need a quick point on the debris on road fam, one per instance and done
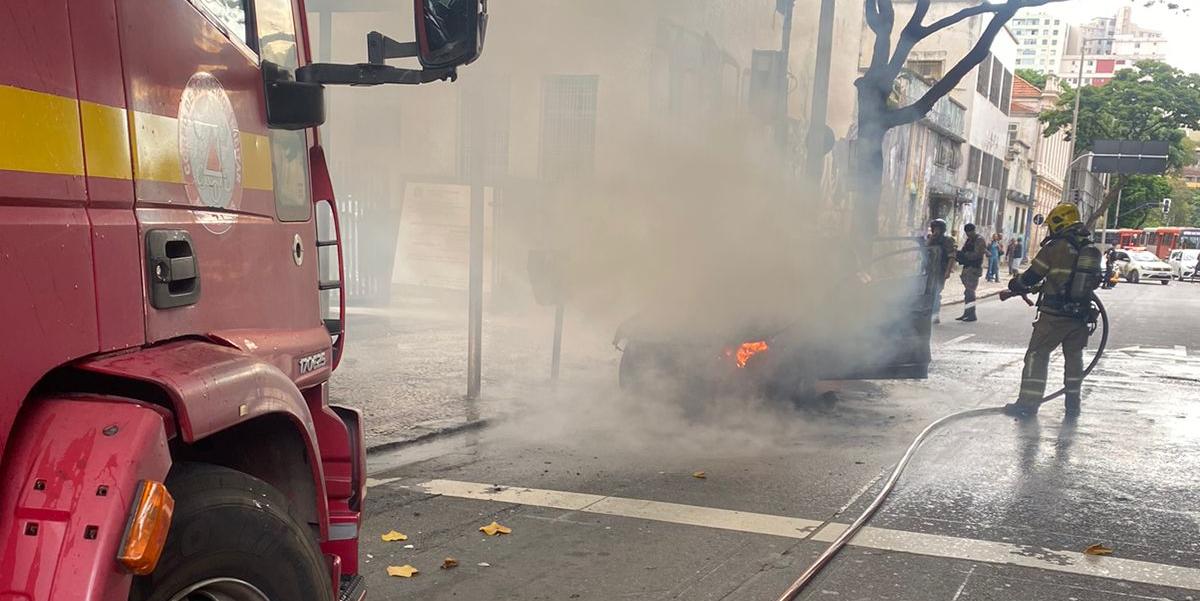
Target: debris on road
(404, 571)
(700, 475)
(410, 546)
(449, 563)
(392, 536)
(484, 564)
(1098, 550)
(495, 528)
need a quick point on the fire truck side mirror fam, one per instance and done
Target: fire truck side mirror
(450, 33)
(292, 104)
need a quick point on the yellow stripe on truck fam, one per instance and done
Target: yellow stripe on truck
(47, 133)
(39, 132)
(155, 147)
(106, 140)
(256, 162)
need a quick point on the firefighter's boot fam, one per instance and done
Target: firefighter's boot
(1074, 406)
(1021, 410)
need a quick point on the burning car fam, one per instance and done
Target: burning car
(873, 324)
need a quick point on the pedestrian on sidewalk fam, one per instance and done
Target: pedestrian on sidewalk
(1016, 254)
(994, 252)
(940, 263)
(971, 258)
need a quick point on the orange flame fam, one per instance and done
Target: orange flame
(748, 350)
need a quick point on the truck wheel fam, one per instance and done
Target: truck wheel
(233, 539)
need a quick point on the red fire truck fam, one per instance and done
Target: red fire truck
(165, 432)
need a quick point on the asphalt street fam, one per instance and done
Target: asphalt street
(606, 500)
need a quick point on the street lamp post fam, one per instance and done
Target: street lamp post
(1075, 118)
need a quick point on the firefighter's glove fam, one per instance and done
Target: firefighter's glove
(1016, 287)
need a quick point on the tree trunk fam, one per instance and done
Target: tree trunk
(867, 164)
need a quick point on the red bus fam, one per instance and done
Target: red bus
(1124, 238)
(1163, 240)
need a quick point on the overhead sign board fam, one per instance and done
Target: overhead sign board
(1127, 157)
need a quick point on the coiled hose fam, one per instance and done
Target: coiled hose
(842, 540)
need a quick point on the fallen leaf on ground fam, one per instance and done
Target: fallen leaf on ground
(449, 563)
(393, 536)
(700, 475)
(404, 571)
(1098, 550)
(494, 528)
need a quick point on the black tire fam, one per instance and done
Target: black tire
(1134, 277)
(231, 525)
(1165, 282)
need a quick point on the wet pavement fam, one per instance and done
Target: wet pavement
(601, 493)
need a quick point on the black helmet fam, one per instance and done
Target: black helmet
(938, 223)
(968, 228)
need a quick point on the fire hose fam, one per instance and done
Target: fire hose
(823, 560)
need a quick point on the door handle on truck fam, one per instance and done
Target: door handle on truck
(173, 271)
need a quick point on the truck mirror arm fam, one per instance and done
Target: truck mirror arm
(367, 74)
(375, 72)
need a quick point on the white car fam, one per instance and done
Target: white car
(1138, 265)
(1183, 263)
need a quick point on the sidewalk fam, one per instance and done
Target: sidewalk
(952, 294)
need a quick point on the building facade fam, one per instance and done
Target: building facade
(1041, 40)
(580, 120)
(1106, 45)
(1051, 155)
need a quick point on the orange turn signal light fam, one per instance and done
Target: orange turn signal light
(146, 530)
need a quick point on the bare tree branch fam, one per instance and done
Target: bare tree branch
(982, 8)
(915, 111)
(909, 36)
(881, 18)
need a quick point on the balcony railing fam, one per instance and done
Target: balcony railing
(947, 115)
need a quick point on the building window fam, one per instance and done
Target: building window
(985, 76)
(974, 160)
(1006, 92)
(928, 69)
(568, 126)
(997, 82)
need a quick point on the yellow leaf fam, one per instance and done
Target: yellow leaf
(449, 563)
(494, 528)
(700, 475)
(392, 536)
(1097, 550)
(404, 571)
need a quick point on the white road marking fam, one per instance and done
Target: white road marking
(962, 338)
(378, 481)
(1071, 562)
(1181, 350)
(932, 545)
(691, 515)
(962, 587)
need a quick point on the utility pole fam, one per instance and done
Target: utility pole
(475, 277)
(817, 127)
(1075, 119)
(788, 7)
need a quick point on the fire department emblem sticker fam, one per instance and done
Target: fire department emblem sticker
(210, 152)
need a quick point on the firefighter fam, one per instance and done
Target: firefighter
(971, 259)
(1068, 267)
(942, 264)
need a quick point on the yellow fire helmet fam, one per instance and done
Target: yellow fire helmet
(1062, 217)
